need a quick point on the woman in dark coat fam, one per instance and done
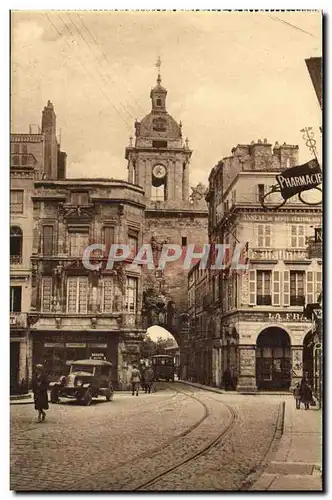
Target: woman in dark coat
(39, 387)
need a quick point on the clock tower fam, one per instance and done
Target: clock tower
(159, 161)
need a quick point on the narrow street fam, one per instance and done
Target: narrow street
(178, 438)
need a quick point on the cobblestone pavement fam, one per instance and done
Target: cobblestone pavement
(181, 438)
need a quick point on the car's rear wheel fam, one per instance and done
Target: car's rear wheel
(87, 398)
(54, 395)
(109, 393)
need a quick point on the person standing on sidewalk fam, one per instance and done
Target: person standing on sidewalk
(135, 380)
(148, 378)
(297, 395)
(40, 395)
(306, 395)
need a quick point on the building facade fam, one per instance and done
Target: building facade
(201, 327)
(259, 334)
(159, 161)
(29, 160)
(78, 313)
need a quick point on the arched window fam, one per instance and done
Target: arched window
(158, 101)
(16, 245)
(158, 193)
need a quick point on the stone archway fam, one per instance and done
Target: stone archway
(273, 359)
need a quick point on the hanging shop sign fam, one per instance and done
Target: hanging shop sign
(98, 355)
(301, 178)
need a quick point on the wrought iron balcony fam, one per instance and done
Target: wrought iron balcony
(22, 160)
(264, 300)
(15, 259)
(276, 254)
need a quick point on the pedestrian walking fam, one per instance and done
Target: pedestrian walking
(297, 395)
(39, 387)
(306, 395)
(148, 376)
(135, 380)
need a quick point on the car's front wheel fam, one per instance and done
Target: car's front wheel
(109, 393)
(87, 398)
(54, 395)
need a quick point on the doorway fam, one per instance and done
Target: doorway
(14, 367)
(273, 359)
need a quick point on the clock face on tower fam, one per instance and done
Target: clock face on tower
(159, 171)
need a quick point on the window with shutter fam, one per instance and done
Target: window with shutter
(260, 192)
(46, 300)
(276, 288)
(263, 290)
(108, 234)
(297, 236)
(286, 288)
(16, 201)
(48, 240)
(318, 284)
(267, 242)
(310, 287)
(252, 287)
(260, 242)
(297, 283)
(264, 236)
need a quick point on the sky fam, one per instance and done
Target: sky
(232, 77)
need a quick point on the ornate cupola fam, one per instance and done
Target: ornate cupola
(158, 97)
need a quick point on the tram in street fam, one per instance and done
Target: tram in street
(163, 367)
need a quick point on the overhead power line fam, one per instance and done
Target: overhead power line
(85, 69)
(99, 63)
(291, 25)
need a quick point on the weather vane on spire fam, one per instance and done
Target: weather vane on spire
(158, 65)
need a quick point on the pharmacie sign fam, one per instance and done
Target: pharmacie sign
(300, 178)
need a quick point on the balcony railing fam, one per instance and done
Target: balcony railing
(16, 259)
(264, 300)
(18, 320)
(275, 254)
(16, 208)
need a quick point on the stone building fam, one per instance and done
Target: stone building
(200, 322)
(29, 160)
(159, 161)
(77, 313)
(260, 335)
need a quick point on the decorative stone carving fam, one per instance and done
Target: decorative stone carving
(78, 212)
(198, 193)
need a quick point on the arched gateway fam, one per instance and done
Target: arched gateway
(273, 359)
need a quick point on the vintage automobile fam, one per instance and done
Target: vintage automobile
(88, 378)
